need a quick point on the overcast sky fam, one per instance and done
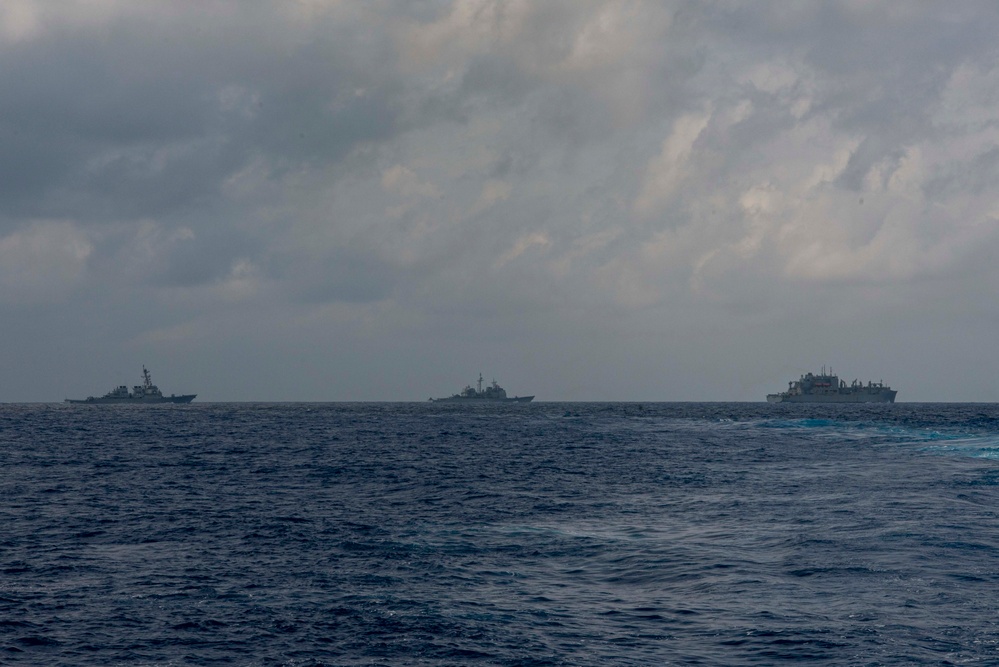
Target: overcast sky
(326, 200)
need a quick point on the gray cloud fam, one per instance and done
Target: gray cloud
(587, 199)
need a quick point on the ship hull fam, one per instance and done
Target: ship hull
(462, 399)
(187, 398)
(858, 397)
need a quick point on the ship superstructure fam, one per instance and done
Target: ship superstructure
(826, 387)
(146, 392)
(493, 392)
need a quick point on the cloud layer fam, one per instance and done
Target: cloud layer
(589, 200)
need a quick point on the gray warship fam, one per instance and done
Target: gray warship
(492, 393)
(143, 393)
(828, 388)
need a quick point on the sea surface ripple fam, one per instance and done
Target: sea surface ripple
(542, 534)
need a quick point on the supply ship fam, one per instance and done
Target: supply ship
(828, 388)
(143, 393)
(492, 393)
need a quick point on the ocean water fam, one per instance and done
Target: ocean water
(541, 534)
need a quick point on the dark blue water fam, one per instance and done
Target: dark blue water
(546, 534)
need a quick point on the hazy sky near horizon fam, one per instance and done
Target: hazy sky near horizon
(585, 200)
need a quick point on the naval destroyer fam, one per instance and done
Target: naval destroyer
(492, 393)
(143, 393)
(828, 388)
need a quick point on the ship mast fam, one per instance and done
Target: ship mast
(480, 382)
(147, 381)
